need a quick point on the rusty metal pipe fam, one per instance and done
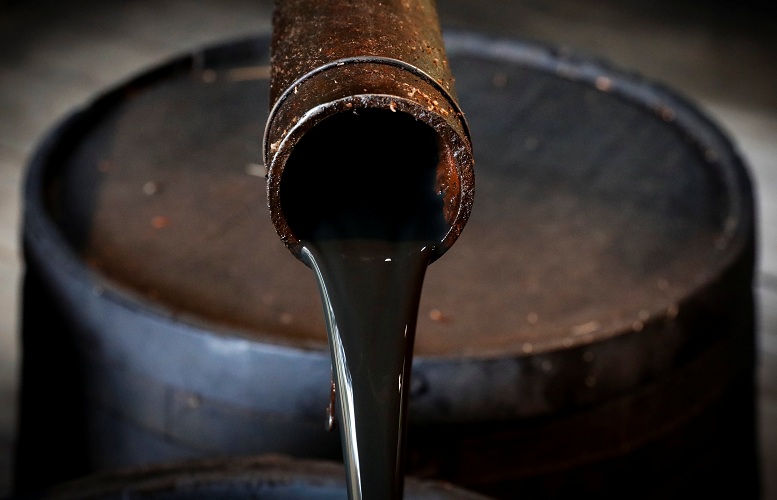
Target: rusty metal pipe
(383, 58)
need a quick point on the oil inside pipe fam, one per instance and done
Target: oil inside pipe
(360, 191)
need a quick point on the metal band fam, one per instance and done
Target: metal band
(365, 60)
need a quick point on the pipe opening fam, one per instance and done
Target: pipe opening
(370, 174)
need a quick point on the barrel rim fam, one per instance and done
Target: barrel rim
(277, 471)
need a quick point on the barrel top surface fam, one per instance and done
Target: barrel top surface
(602, 202)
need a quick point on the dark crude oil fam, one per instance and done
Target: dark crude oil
(360, 192)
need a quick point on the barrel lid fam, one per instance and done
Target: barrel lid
(604, 203)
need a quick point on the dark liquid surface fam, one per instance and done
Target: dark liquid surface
(360, 192)
(371, 292)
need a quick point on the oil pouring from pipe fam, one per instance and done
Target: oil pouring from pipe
(370, 179)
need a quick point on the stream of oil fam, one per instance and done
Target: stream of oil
(369, 220)
(370, 293)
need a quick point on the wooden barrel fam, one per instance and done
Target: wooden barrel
(267, 477)
(591, 332)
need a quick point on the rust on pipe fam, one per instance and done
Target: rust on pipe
(382, 58)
